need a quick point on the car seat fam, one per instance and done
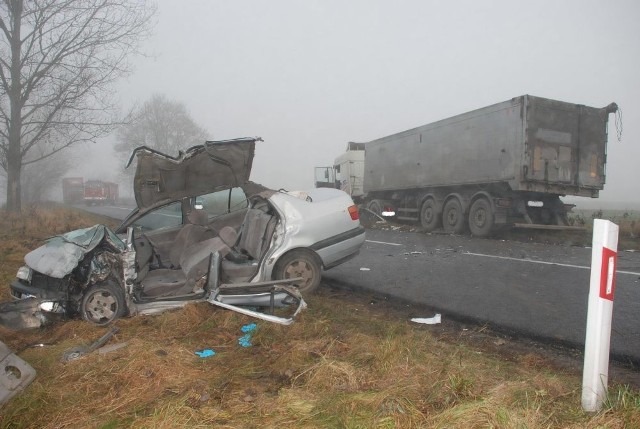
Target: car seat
(193, 232)
(194, 264)
(247, 247)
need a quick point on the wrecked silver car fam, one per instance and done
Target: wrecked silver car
(201, 231)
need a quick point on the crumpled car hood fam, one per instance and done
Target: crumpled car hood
(61, 254)
(202, 169)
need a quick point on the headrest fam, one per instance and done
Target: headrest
(228, 235)
(198, 217)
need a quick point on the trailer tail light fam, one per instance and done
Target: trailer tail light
(503, 202)
(388, 211)
(353, 211)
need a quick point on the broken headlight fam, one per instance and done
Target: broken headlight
(24, 273)
(51, 306)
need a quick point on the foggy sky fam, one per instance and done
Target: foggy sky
(309, 76)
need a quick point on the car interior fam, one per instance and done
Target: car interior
(183, 269)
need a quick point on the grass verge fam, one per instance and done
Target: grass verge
(343, 364)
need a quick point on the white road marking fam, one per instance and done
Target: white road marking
(544, 262)
(383, 242)
(157, 213)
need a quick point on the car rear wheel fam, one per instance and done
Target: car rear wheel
(103, 303)
(300, 263)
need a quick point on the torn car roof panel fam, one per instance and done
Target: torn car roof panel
(202, 169)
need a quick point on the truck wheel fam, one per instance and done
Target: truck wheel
(429, 216)
(481, 218)
(453, 217)
(300, 263)
(103, 303)
(375, 207)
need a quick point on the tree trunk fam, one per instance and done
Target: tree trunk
(14, 201)
(14, 155)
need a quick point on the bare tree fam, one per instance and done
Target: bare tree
(161, 124)
(38, 180)
(58, 59)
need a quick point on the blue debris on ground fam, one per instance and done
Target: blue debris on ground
(245, 340)
(249, 328)
(205, 353)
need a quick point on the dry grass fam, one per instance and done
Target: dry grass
(341, 365)
(628, 222)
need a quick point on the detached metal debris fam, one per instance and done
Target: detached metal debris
(22, 314)
(15, 374)
(79, 351)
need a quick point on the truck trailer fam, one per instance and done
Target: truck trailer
(507, 164)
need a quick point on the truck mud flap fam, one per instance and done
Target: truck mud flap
(15, 374)
(22, 314)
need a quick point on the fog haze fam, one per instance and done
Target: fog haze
(310, 76)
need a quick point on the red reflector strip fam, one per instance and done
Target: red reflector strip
(353, 211)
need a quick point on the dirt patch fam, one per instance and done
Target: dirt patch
(629, 238)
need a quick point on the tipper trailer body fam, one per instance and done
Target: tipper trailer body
(502, 165)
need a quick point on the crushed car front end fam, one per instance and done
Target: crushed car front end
(52, 293)
(58, 273)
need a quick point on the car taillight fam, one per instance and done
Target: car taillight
(353, 211)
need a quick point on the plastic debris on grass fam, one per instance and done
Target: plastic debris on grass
(248, 330)
(428, 320)
(205, 353)
(15, 374)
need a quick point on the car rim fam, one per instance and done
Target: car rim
(300, 269)
(101, 306)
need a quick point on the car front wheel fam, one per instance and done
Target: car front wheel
(300, 263)
(103, 303)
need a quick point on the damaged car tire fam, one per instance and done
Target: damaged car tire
(300, 263)
(103, 303)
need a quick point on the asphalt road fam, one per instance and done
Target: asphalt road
(532, 289)
(119, 212)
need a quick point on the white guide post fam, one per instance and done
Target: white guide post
(600, 309)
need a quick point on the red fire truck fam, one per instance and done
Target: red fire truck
(99, 192)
